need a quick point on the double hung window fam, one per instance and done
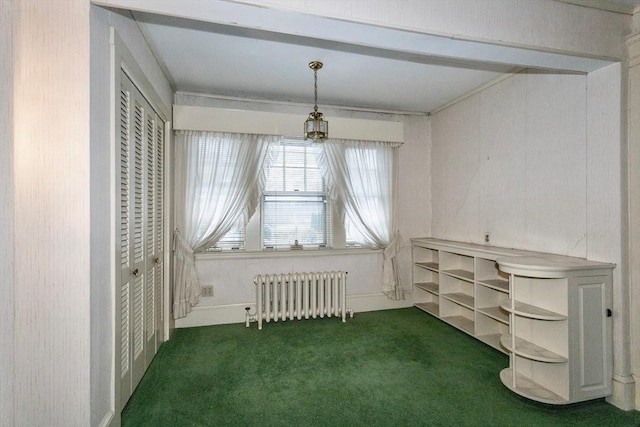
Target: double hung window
(295, 208)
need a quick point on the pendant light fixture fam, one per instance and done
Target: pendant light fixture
(316, 127)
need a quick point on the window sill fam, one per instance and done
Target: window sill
(285, 253)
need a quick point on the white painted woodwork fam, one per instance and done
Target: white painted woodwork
(186, 117)
(460, 284)
(495, 21)
(549, 312)
(140, 224)
(102, 228)
(560, 328)
(632, 152)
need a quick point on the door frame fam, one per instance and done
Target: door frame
(122, 60)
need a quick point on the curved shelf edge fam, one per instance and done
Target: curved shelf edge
(525, 387)
(526, 310)
(531, 351)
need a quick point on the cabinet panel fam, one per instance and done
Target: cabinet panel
(593, 352)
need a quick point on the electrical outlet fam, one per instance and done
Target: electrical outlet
(207, 291)
(487, 237)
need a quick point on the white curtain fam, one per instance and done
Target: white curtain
(218, 183)
(361, 175)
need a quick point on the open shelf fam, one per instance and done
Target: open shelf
(460, 322)
(495, 313)
(460, 298)
(531, 311)
(428, 286)
(530, 350)
(497, 284)
(460, 274)
(428, 265)
(429, 307)
(530, 389)
(491, 339)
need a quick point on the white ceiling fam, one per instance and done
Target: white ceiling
(238, 50)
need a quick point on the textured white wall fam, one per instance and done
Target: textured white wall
(232, 278)
(7, 329)
(511, 160)
(414, 189)
(52, 232)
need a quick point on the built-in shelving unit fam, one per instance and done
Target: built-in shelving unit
(560, 328)
(548, 312)
(460, 283)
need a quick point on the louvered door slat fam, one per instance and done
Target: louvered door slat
(138, 317)
(124, 326)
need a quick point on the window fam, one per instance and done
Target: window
(295, 206)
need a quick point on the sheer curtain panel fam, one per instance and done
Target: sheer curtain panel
(219, 179)
(361, 175)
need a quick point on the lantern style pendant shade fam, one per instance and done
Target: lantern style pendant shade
(316, 127)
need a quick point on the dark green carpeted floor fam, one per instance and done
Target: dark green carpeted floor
(385, 368)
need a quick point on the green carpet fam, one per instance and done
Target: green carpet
(385, 368)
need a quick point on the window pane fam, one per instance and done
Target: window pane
(233, 240)
(294, 168)
(290, 217)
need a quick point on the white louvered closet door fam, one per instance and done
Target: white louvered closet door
(140, 235)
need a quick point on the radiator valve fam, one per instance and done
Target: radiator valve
(249, 317)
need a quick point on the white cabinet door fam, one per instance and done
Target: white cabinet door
(592, 328)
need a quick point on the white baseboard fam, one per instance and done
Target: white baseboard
(107, 419)
(623, 393)
(235, 313)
